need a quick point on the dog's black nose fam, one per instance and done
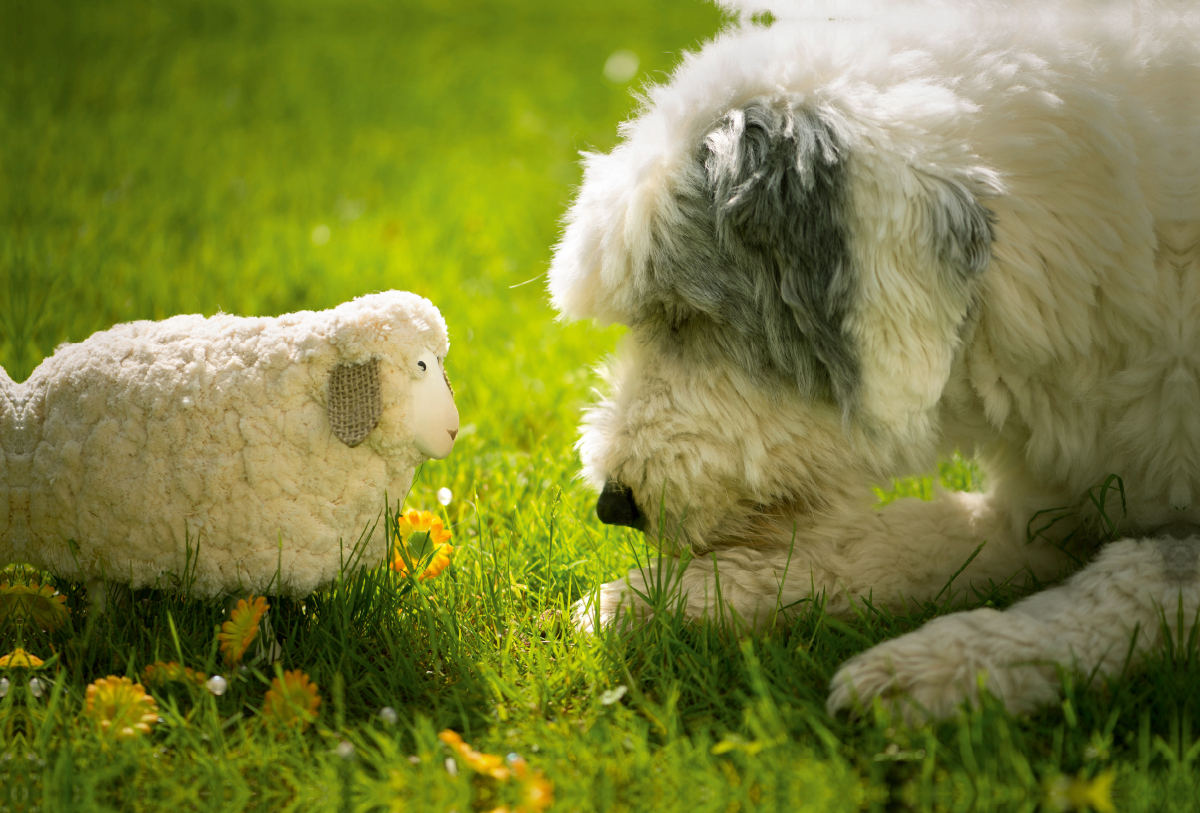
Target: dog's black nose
(616, 506)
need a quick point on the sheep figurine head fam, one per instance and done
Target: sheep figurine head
(224, 454)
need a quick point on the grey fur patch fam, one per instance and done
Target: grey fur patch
(756, 264)
(963, 230)
(1179, 558)
(355, 401)
(1179, 544)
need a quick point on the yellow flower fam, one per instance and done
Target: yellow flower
(159, 674)
(120, 707)
(239, 631)
(38, 603)
(412, 529)
(291, 701)
(20, 659)
(1080, 793)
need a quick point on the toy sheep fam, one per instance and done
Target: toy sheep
(266, 444)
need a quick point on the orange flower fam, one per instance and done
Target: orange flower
(291, 701)
(240, 630)
(20, 659)
(537, 792)
(412, 530)
(159, 674)
(487, 764)
(120, 707)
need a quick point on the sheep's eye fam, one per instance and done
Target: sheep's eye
(421, 364)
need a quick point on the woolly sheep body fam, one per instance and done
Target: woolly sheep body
(211, 434)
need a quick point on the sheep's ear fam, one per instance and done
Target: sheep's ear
(778, 179)
(355, 400)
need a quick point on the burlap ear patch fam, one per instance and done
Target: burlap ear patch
(355, 401)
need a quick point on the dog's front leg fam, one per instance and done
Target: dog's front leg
(739, 585)
(1117, 607)
(907, 551)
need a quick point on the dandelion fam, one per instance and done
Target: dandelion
(40, 604)
(1080, 793)
(159, 674)
(412, 531)
(20, 659)
(120, 707)
(292, 701)
(240, 630)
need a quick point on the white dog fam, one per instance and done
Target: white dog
(845, 247)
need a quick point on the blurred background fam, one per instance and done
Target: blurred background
(265, 156)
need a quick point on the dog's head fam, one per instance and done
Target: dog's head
(795, 250)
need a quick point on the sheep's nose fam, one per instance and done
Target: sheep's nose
(453, 433)
(617, 507)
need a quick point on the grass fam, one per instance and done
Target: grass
(259, 158)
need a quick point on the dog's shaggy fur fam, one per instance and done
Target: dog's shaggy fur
(846, 247)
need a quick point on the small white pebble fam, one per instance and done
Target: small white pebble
(444, 496)
(217, 685)
(4, 684)
(36, 688)
(451, 766)
(388, 715)
(613, 695)
(345, 749)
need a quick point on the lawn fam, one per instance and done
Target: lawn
(264, 157)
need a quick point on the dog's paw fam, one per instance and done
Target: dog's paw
(612, 601)
(930, 673)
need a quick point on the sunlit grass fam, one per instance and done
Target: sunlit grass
(260, 158)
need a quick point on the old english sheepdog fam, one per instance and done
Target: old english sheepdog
(844, 247)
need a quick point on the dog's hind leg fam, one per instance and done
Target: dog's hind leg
(1113, 611)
